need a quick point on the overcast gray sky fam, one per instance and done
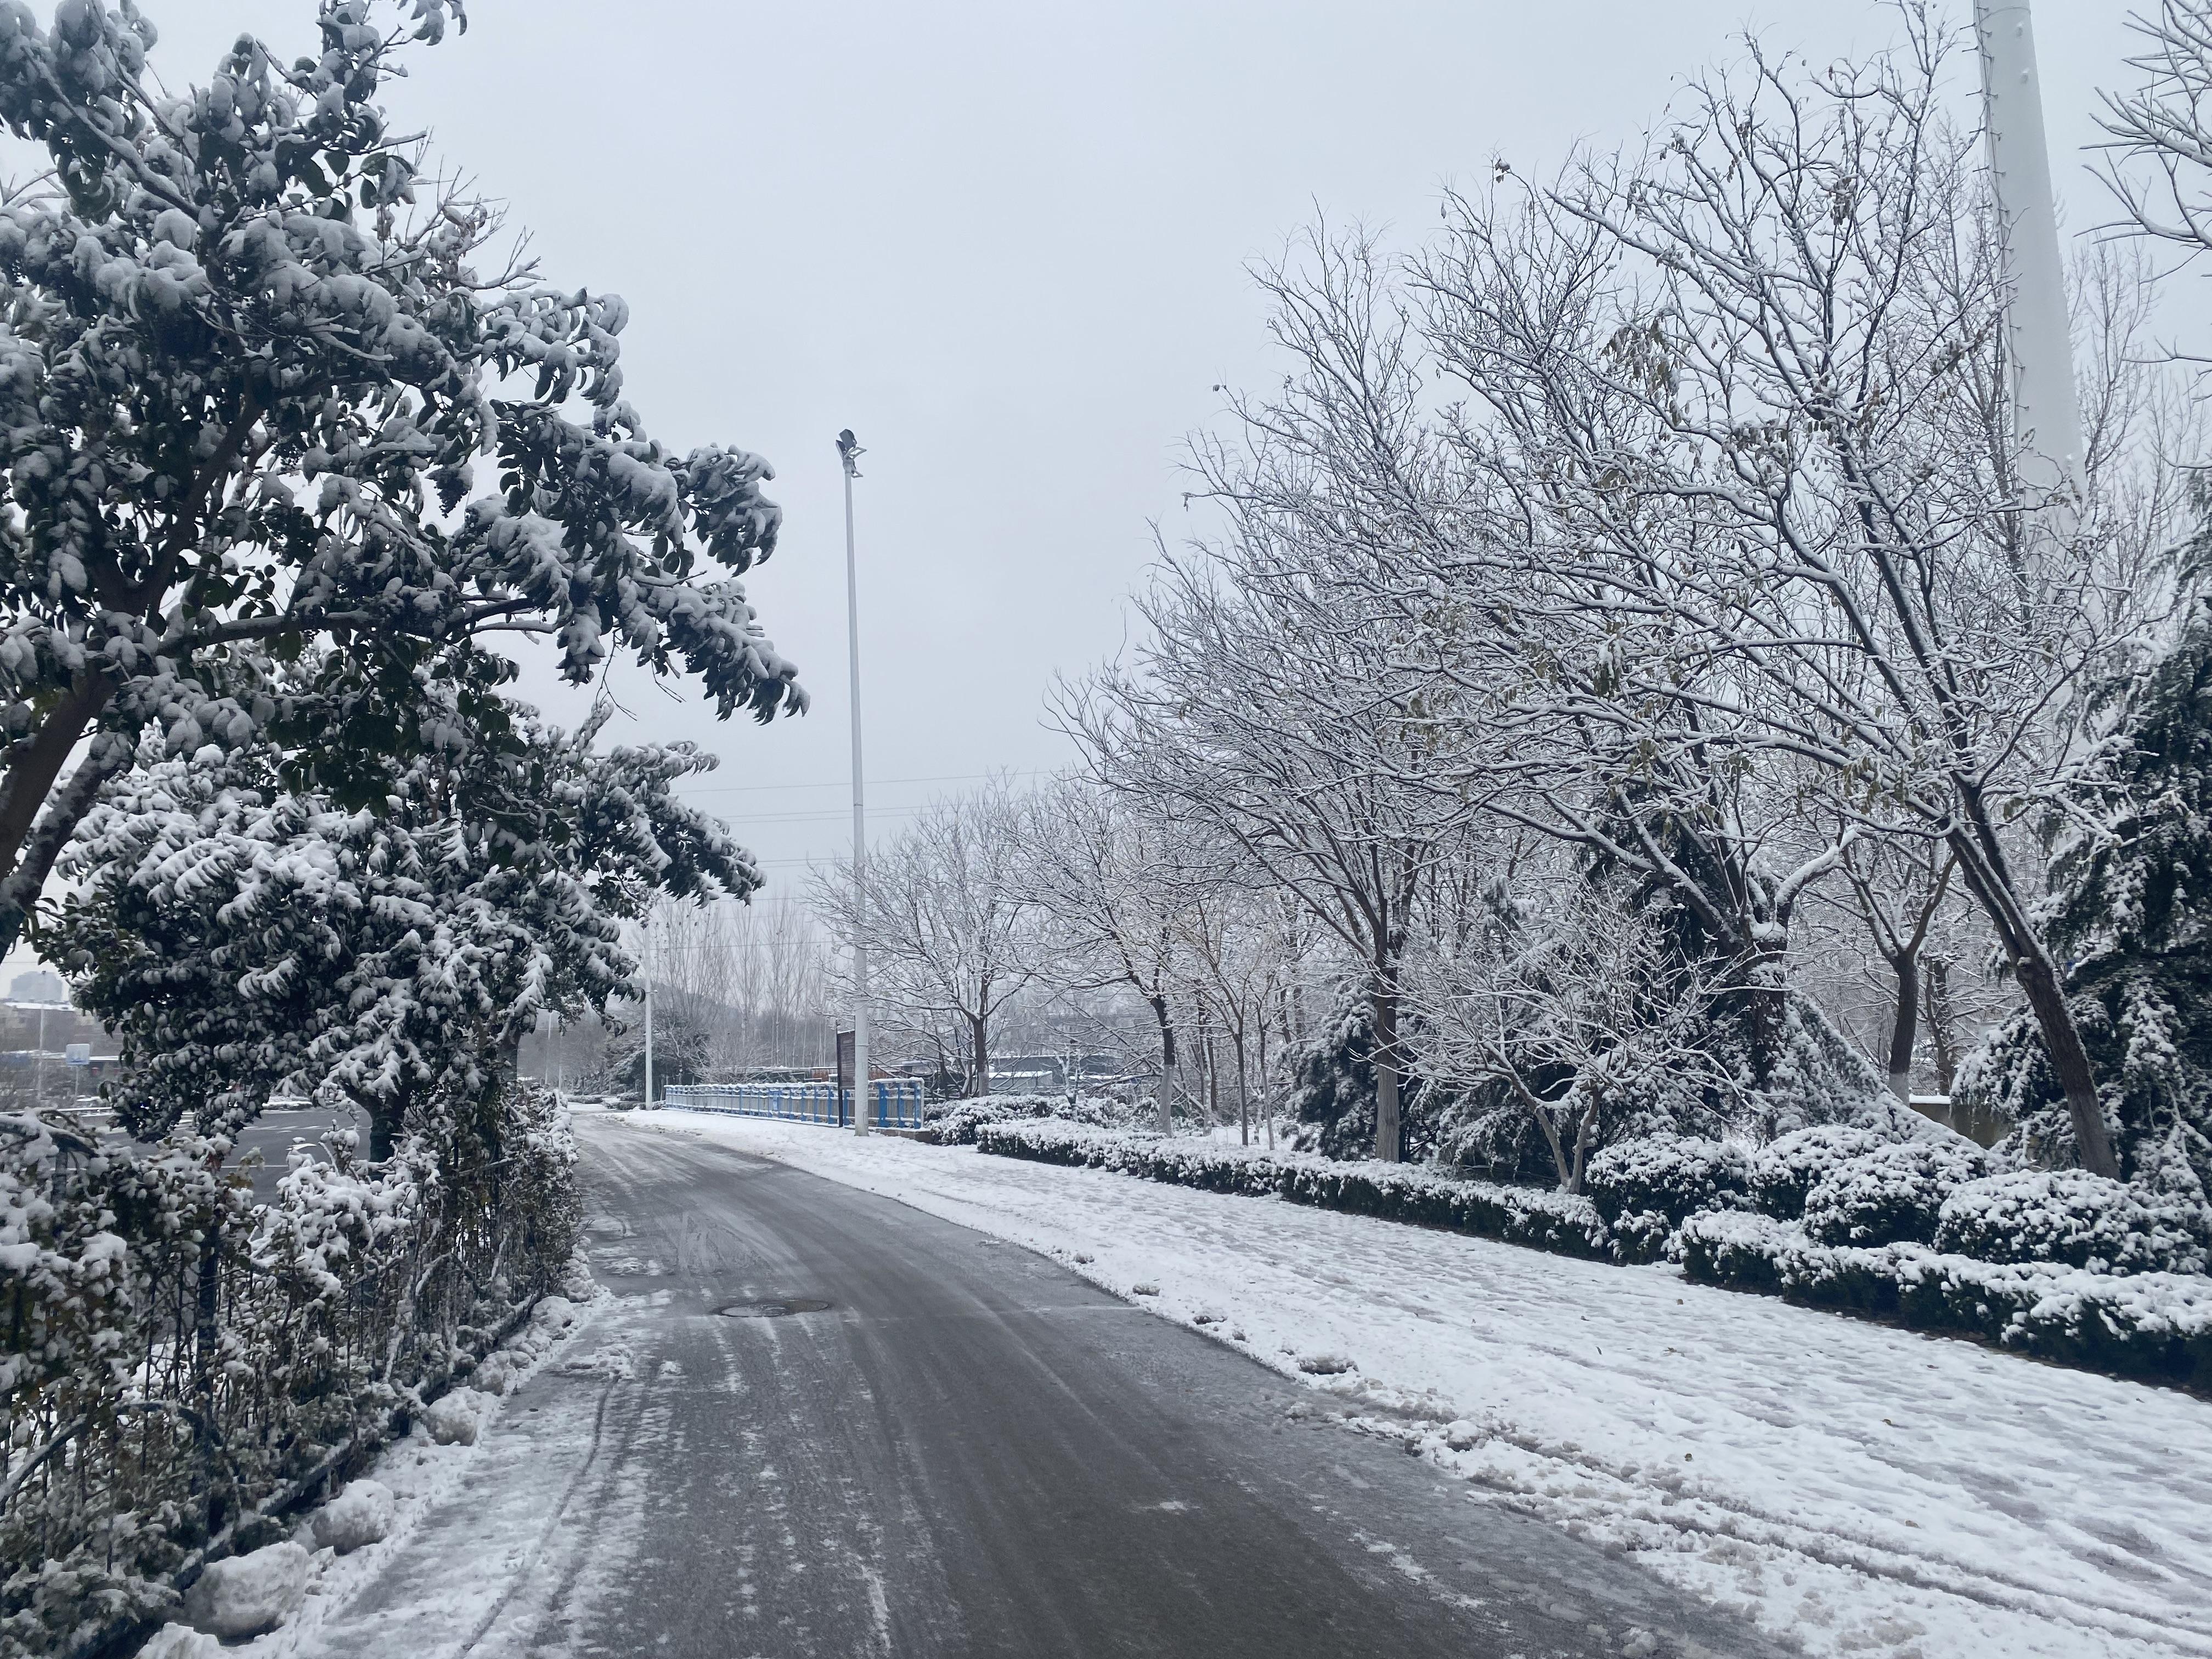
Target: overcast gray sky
(1007, 243)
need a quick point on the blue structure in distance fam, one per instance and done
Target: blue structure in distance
(896, 1102)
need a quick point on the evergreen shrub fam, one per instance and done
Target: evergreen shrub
(957, 1125)
(2072, 1216)
(1893, 1195)
(1674, 1176)
(2155, 1326)
(1783, 1171)
(181, 1365)
(1559, 1221)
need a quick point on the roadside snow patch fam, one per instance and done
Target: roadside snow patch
(454, 1419)
(496, 1374)
(249, 1593)
(361, 1515)
(180, 1642)
(553, 1315)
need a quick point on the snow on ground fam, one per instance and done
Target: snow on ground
(425, 1477)
(1861, 1490)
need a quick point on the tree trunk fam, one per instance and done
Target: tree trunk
(2062, 1038)
(1165, 1101)
(979, 1076)
(1385, 1001)
(1213, 1083)
(2039, 976)
(1266, 1096)
(1766, 1010)
(1904, 1032)
(1935, 990)
(1243, 1095)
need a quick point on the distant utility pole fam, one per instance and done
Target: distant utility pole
(2046, 411)
(849, 453)
(645, 1104)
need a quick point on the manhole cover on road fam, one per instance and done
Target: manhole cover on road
(774, 1307)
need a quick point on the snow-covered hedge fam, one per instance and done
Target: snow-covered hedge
(2156, 1326)
(1669, 1176)
(957, 1124)
(2072, 1216)
(1559, 1221)
(1893, 1195)
(1783, 1171)
(2147, 1324)
(177, 1362)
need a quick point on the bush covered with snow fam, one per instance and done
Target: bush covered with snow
(1783, 1171)
(1671, 1175)
(357, 1293)
(180, 1642)
(1893, 1195)
(957, 1124)
(1548, 1220)
(2156, 1326)
(2072, 1216)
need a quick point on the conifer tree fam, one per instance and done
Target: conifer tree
(2128, 913)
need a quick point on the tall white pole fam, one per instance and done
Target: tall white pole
(849, 453)
(645, 1104)
(2046, 411)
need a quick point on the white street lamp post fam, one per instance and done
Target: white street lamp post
(849, 453)
(645, 1104)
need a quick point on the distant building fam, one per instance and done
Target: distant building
(38, 986)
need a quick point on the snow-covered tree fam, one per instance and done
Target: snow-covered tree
(1748, 503)
(1111, 874)
(249, 360)
(1572, 1011)
(753, 975)
(1900, 886)
(1513, 665)
(2161, 135)
(244, 938)
(681, 1052)
(2130, 913)
(1271, 700)
(1238, 960)
(950, 935)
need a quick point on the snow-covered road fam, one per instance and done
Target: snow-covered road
(957, 1449)
(1859, 1489)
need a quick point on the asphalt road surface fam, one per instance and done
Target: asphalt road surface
(968, 1451)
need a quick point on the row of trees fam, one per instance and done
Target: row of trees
(1634, 619)
(1060, 919)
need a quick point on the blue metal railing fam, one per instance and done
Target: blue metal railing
(897, 1101)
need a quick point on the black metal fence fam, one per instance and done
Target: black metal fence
(179, 1362)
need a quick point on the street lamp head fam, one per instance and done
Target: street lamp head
(849, 451)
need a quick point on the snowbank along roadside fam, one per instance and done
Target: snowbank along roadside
(429, 1467)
